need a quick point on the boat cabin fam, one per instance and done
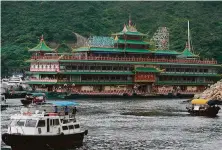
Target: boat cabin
(42, 123)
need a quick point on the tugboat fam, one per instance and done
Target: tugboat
(35, 98)
(203, 107)
(43, 130)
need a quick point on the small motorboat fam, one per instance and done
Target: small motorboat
(43, 130)
(3, 102)
(35, 98)
(204, 107)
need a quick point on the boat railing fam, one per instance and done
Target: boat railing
(44, 69)
(175, 81)
(139, 59)
(205, 73)
(153, 60)
(45, 57)
(43, 80)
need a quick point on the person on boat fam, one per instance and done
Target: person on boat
(74, 112)
(66, 110)
(44, 113)
(56, 109)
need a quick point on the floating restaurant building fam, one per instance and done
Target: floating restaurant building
(120, 65)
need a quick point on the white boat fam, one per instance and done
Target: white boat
(44, 130)
(5, 80)
(14, 80)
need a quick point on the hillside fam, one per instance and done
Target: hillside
(24, 22)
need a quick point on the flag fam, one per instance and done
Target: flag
(42, 38)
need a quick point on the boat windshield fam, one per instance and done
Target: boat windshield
(17, 122)
(26, 123)
(30, 123)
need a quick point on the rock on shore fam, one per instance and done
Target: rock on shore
(214, 92)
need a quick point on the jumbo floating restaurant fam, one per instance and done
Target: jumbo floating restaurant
(120, 65)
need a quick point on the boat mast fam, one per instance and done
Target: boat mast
(188, 35)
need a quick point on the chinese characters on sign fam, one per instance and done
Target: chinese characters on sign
(145, 77)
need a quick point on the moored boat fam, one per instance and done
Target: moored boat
(34, 98)
(204, 107)
(125, 64)
(44, 130)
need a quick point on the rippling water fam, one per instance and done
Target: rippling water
(140, 124)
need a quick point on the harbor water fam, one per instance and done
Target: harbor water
(140, 124)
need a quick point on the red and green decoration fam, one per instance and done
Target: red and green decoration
(42, 47)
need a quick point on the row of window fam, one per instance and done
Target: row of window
(95, 68)
(44, 66)
(106, 78)
(76, 126)
(187, 70)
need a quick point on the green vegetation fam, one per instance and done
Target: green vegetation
(24, 22)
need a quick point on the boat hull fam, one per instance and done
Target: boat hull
(211, 111)
(26, 102)
(43, 142)
(54, 95)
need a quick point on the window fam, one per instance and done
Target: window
(65, 121)
(64, 128)
(41, 123)
(51, 122)
(71, 127)
(30, 123)
(18, 123)
(76, 126)
(74, 67)
(56, 122)
(103, 68)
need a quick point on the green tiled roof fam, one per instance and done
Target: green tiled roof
(187, 54)
(167, 52)
(122, 41)
(140, 69)
(81, 49)
(42, 47)
(130, 50)
(117, 50)
(130, 33)
(105, 49)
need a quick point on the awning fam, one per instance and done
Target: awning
(140, 69)
(63, 103)
(199, 101)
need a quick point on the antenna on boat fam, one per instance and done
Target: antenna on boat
(188, 24)
(190, 47)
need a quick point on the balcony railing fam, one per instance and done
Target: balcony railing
(45, 57)
(185, 82)
(190, 61)
(45, 69)
(193, 73)
(42, 80)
